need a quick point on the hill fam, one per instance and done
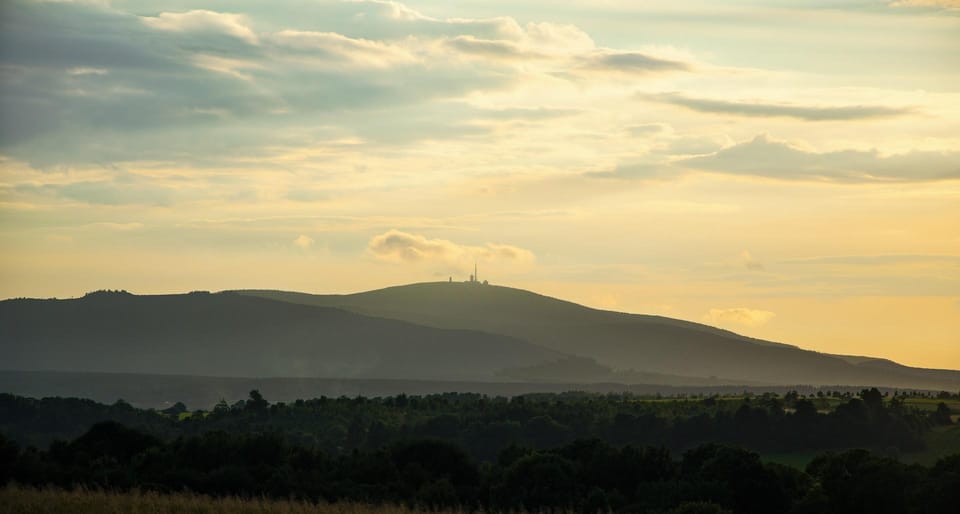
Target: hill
(231, 335)
(624, 342)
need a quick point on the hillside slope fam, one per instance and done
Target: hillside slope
(243, 336)
(620, 340)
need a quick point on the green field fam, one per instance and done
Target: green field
(940, 441)
(931, 403)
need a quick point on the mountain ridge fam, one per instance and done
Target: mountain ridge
(227, 334)
(434, 331)
(623, 341)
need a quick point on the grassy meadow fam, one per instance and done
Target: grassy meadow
(26, 500)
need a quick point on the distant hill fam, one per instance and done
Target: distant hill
(621, 341)
(232, 335)
(435, 331)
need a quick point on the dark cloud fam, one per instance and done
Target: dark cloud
(765, 110)
(86, 84)
(768, 158)
(62, 35)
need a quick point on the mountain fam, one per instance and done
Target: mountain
(432, 331)
(623, 342)
(232, 335)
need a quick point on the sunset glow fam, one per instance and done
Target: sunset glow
(788, 170)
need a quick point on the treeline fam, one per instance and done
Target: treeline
(484, 426)
(582, 476)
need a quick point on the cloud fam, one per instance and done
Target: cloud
(235, 25)
(926, 3)
(529, 114)
(765, 157)
(121, 227)
(352, 51)
(124, 189)
(738, 316)
(397, 246)
(749, 262)
(630, 62)
(232, 67)
(877, 260)
(648, 170)
(83, 70)
(765, 110)
(100, 84)
(491, 48)
(303, 241)
(647, 129)
(308, 195)
(70, 69)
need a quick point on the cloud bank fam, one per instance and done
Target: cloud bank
(77, 75)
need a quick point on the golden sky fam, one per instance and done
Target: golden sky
(789, 170)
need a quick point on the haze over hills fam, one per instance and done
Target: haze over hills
(627, 343)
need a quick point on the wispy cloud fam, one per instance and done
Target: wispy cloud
(123, 190)
(203, 21)
(630, 62)
(346, 50)
(926, 3)
(766, 157)
(761, 109)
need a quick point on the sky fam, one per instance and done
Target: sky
(789, 170)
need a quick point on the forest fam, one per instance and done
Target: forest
(485, 425)
(574, 451)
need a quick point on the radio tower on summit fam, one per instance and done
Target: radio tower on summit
(475, 278)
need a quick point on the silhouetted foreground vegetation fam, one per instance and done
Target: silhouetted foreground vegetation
(580, 452)
(483, 426)
(582, 476)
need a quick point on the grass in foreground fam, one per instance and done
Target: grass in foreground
(26, 500)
